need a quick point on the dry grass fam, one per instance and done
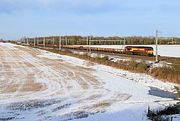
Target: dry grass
(167, 74)
(101, 105)
(27, 87)
(11, 88)
(171, 74)
(31, 86)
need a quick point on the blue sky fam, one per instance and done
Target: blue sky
(88, 17)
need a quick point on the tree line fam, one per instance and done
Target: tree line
(80, 40)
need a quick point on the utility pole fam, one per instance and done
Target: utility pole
(173, 41)
(37, 41)
(44, 42)
(53, 41)
(87, 42)
(90, 38)
(24, 40)
(66, 40)
(34, 42)
(157, 46)
(27, 41)
(60, 39)
(124, 43)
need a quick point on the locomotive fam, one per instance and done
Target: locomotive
(139, 50)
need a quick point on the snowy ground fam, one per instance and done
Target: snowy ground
(37, 85)
(163, 50)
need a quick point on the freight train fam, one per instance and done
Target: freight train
(131, 50)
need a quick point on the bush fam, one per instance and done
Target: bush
(142, 66)
(176, 65)
(167, 74)
(105, 58)
(133, 64)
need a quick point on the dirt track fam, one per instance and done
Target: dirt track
(22, 72)
(29, 80)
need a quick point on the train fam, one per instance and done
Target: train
(129, 50)
(139, 50)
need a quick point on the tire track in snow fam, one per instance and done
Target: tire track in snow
(76, 85)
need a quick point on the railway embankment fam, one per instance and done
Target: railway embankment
(169, 72)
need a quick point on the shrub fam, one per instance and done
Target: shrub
(176, 65)
(105, 58)
(133, 64)
(166, 73)
(142, 66)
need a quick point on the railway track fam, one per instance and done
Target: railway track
(146, 58)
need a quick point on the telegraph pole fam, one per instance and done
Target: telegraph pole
(90, 38)
(44, 42)
(66, 40)
(87, 42)
(27, 42)
(124, 41)
(53, 41)
(157, 46)
(24, 40)
(173, 41)
(60, 39)
(34, 42)
(37, 41)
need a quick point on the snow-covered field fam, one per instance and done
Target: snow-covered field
(36, 85)
(163, 50)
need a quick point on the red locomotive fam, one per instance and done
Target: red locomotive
(139, 50)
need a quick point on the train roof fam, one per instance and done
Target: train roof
(139, 47)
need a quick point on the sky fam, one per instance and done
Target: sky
(32, 18)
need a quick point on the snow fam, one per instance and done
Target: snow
(176, 117)
(163, 50)
(76, 88)
(8, 45)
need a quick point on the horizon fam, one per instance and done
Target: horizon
(30, 37)
(33, 18)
